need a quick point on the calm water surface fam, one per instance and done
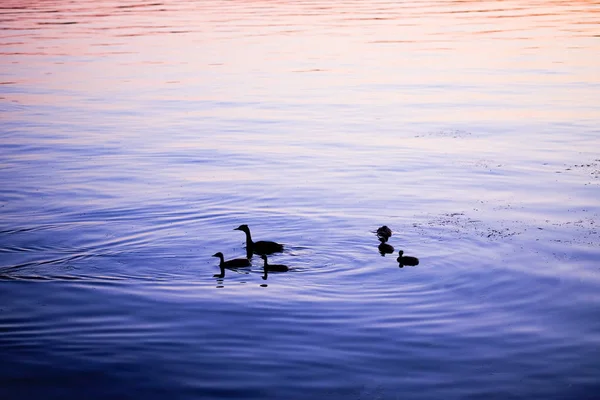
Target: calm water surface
(136, 135)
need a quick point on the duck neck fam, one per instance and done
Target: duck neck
(221, 261)
(249, 241)
(249, 245)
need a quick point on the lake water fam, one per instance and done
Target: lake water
(135, 136)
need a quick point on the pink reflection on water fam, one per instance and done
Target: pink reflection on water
(518, 59)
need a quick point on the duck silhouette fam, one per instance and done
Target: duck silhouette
(384, 233)
(406, 260)
(231, 264)
(272, 267)
(261, 247)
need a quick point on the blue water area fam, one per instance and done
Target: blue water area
(136, 136)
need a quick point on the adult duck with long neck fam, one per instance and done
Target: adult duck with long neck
(261, 247)
(231, 264)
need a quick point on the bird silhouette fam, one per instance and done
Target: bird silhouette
(406, 260)
(384, 233)
(230, 264)
(261, 247)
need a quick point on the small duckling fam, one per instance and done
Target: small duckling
(232, 264)
(261, 247)
(406, 260)
(383, 233)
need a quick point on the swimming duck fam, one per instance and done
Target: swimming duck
(384, 233)
(261, 247)
(406, 260)
(232, 264)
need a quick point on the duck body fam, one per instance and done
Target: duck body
(384, 233)
(235, 263)
(262, 247)
(231, 264)
(406, 260)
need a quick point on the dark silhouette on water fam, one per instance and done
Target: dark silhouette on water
(384, 233)
(231, 264)
(385, 248)
(406, 260)
(261, 247)
(272, 267)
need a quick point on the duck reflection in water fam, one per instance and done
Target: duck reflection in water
(230, 264)
(406, 260)
(385, 248)
(261, 247)
(383, 234)
(272, 267)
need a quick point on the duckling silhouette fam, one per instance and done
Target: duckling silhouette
(272, 267)
(261, 247)
(384, 233)
(231, 264)
(406, 260)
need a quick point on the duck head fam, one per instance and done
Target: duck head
(243, 228)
